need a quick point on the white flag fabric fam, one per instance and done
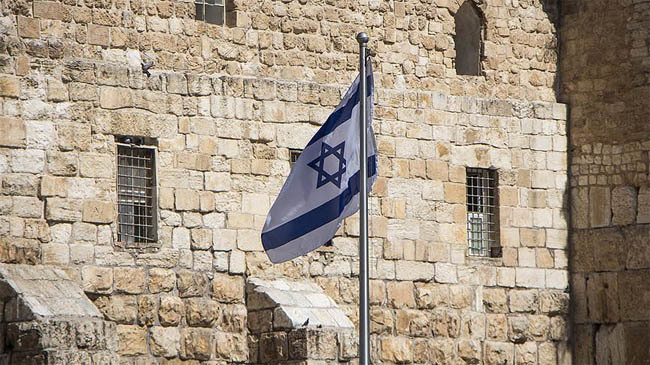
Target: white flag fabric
(323, 186)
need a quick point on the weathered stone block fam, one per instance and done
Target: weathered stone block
(401, 294)
(600, 211)
(165, 341)
(200, 312)
(121, 309)
(96, 165)
(98, 35)
(66, 210)
(161, 280)
(396, 349)
(129, 280)
(197, 343)
(624, 204)
(228, 289)
(27, 28)
(187, 199)
(191, 284)
(132, 340)
(97, 279)
(274, 347)
(170, 311)
(95, 211)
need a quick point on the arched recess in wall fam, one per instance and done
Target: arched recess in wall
(468, 39)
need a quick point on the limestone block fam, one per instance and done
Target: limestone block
(624, 205)
(66, 210)
(10, 85)
(96, 165)
(396, 349)
(191, 284)
(580, 208)
(202, 260)
(27, 28)
(499, 353)
(62, 164)
(129, 280)
(161, 280)
(526, 353)
(600, 212)
(98, 35)
(228, 289)
(170, 311)
(401, 294)
(165, 341)
(121, 309)
(232, 347)
(530, 278)
(469, 351)
(176, 83)
(523, 301)
(31, 161)
(237, 262)
(55, 254)
(273, 347)
(455, 193)
(95, 211)
(446, 273)
(201, 312)
(115, 97)
(643, 207)
(543, 179)
(197, 343)
(97, 280)
(181, 238)
(249, 240)
(557, 279)
(132, 340)
(187, 199)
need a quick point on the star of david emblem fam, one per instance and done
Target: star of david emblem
(321, 164)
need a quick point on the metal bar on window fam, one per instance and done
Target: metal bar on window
(482, 223)
(136, 194)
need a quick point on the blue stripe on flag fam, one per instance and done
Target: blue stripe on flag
(342, 115)
(316, 217)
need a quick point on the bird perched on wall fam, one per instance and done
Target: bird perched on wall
(306, 323)
(146, 66)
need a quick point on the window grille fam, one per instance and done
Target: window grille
(211, 11)
(482, 212)
(136, 193)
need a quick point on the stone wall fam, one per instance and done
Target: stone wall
(607, 89)
(225, 105)
(47, 319)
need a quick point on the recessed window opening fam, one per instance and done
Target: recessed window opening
(136, 191)
(482, 212)
(211, 11)
(293, 155)
(468, 39)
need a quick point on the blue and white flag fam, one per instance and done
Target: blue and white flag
(323, 186)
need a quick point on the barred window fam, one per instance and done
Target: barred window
(136, 192)
(211, 11)
(482, 213)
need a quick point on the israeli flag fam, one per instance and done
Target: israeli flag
(323, 186)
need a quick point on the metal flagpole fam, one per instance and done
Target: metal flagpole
(364, 322)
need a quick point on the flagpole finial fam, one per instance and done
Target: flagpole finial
(362, 38)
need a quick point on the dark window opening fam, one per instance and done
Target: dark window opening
(482, 213)
(468, 39)
(293, 156)
(136, 191)
(211, 11)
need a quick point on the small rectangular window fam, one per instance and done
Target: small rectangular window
(482, 213)
(211, 11)
(136, 192)
(293, 155)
